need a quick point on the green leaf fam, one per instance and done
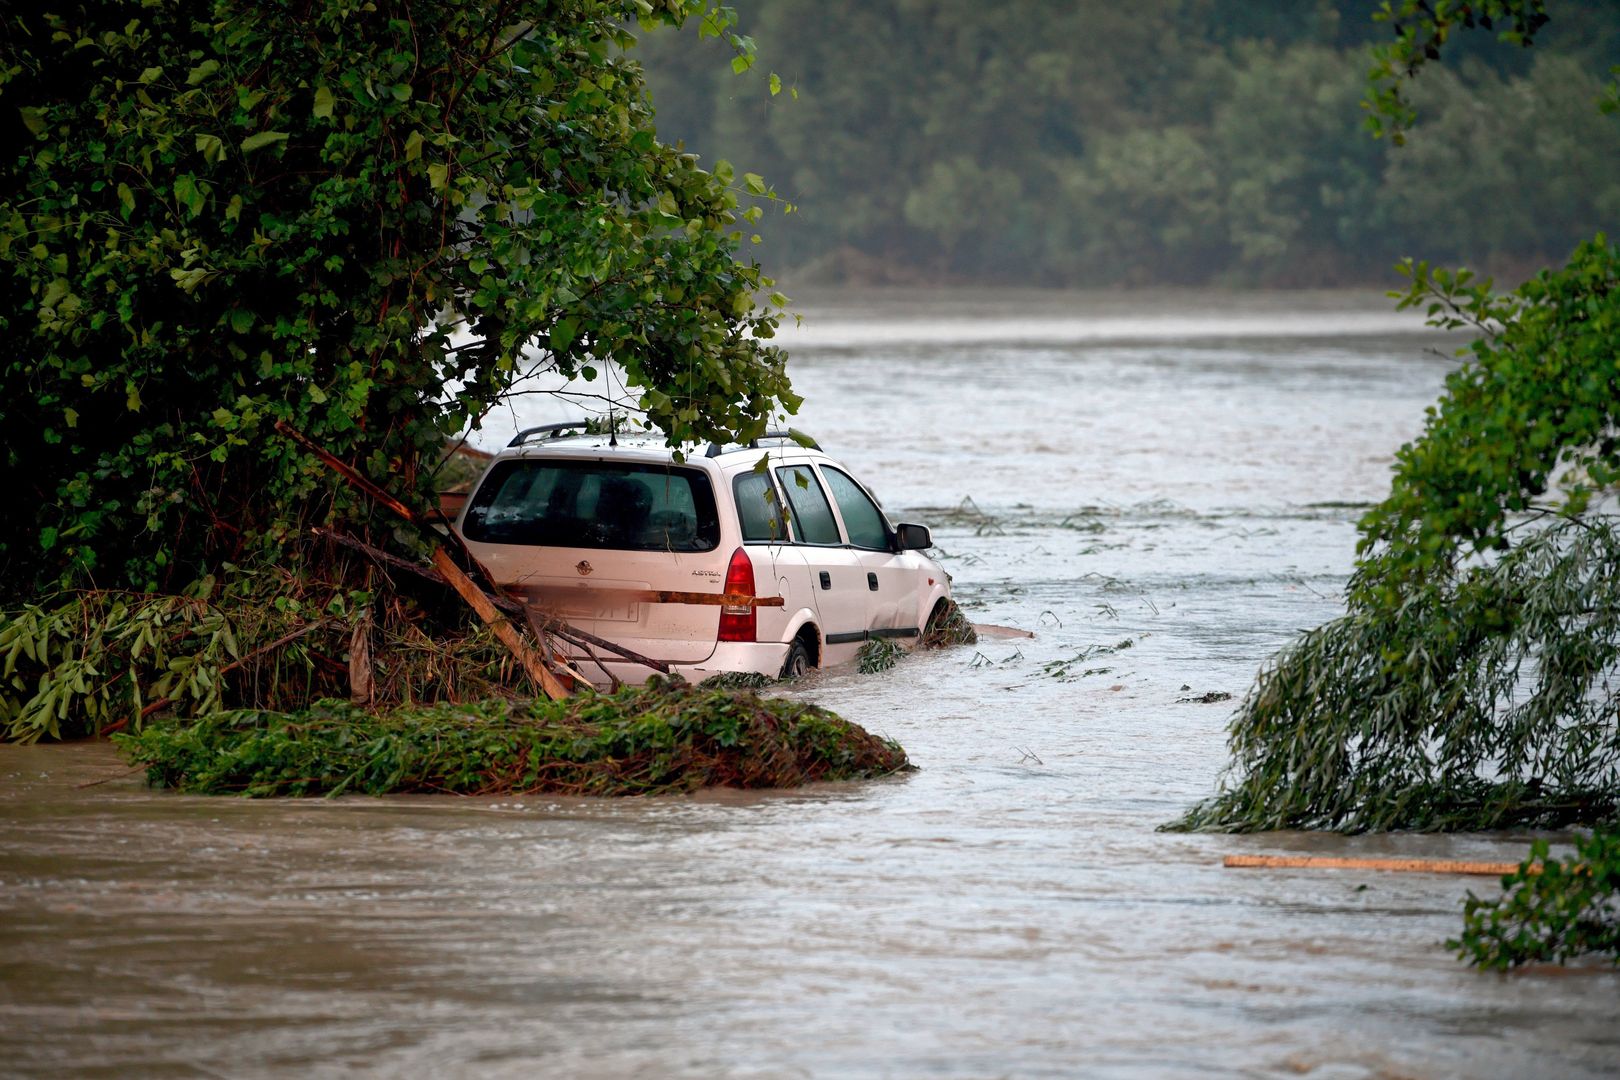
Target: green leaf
(189, 280)
(562, 334)
(776, 84)
(324, 101)
(755, 183)
(33, 119)
(202, 72)
(740, 64)
(189, 194)
(262, 139)
(211, 147)
(413, 146)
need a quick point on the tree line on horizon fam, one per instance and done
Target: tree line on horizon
(1171, 142)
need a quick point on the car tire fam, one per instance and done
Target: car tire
(798, 662)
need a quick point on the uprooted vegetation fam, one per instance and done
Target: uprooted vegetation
(1482, 701)
(87, 662)
(948, 627)
(666, 736)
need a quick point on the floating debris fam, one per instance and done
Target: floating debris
(666, 736)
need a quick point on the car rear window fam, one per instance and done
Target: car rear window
(591, 504)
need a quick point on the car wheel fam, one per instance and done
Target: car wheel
(798, 662)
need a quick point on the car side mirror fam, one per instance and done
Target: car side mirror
(912, 537)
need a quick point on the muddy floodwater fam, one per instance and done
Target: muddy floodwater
(1163, 488)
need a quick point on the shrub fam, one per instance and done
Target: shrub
(662, 737)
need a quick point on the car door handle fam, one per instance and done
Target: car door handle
(871, 582)
(826, 580)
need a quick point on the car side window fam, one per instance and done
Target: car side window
(758, 510)
(812, 516)
(862, 519)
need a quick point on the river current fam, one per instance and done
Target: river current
(1163, 488)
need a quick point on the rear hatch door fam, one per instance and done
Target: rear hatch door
(587, 539)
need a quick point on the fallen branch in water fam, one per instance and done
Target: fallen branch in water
(662, 737)
(549, 623)
(284, 639)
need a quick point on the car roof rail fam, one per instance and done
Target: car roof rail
(716, 449)
(550, 431)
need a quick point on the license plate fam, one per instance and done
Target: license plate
(600, 610)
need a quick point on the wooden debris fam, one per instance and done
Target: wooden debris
(548, 622)
(575, 636)
(482, 604)
(1334, 862)
(164, 702)
(990, 630)
(485, 609)
(361, 683)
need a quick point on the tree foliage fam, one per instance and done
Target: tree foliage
(365, 217)
(1474, 681)
(1167, 141)
(1550, 910)
(1479, 699)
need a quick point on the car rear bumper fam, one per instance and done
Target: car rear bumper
(762, 657)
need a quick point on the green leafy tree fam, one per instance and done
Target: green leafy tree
(369, 218)
(1475, 679)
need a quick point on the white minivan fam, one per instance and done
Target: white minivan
(767, 558)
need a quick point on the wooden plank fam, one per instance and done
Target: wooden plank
(1333, 862)
(485, 609)
(426, 573)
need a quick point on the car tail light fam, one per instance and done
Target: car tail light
(738, 623)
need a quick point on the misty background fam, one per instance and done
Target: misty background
(1173, 142)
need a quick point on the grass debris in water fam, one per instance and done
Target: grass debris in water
(662, 737)
(878, 654)
(949, 628)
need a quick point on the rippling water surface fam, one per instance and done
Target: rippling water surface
(1180, 472)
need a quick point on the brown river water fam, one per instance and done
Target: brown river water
(1178, 470)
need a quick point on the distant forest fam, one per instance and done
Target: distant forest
(1098, 142)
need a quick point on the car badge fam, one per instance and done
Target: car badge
(583, 567)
